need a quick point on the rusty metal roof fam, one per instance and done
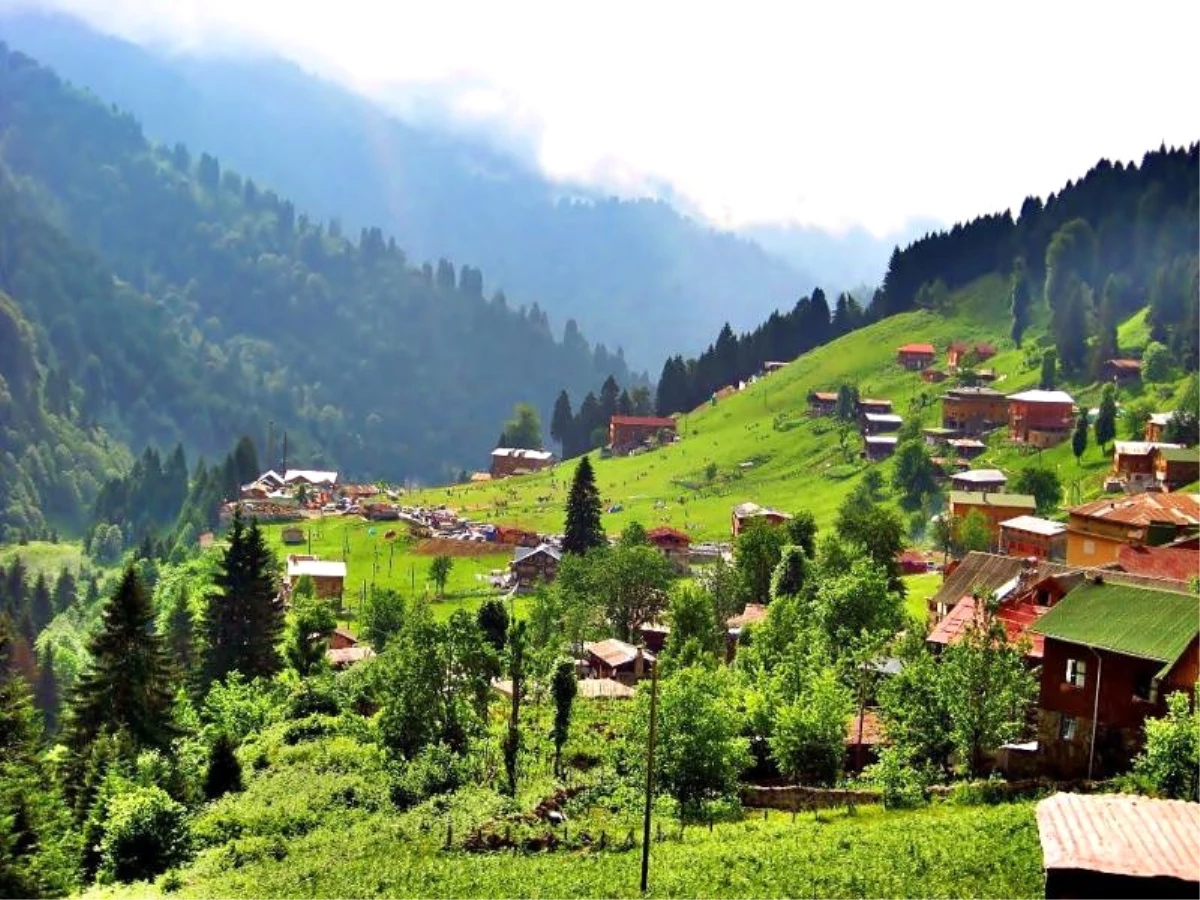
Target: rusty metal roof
(1121, 834)
(1142, 509)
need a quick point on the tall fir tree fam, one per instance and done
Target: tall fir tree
(180, 631)
(1019, 301)
(583, 528)
(1079, 439)
(45, 691)
(244, 618)
(562, 421)
(1049, 375)
(129, 683)
(41, 604)
(64, 591)
(1106, 417)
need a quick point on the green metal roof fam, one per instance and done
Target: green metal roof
(1139, 622)
(993, 498)
(1180, 454)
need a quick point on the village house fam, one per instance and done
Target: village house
(864, 737)
(752, 614)
(1097, 531)
(315, 478)
(985, 480)
(937, 436)
(1016, 613)
(967, 448)
(508, 461)
(973, 410)
(617, 660)
(1176, 466)
(912, 562)
(874, 405)
(1133, 462)
(745, 513)
(653, 635)
(328, 575)
(1170, 562)
(958, 352)
(881, 423)
(995, 508)
(1122, 371)
(673, 544)
(1040, 418)
(933, 376)
(1156, 425)
(627, 433)
(534, 565)
(1026, 536)
(822, 403)
(1112, 655)
(879, 447)
(915, 357)
(344, 649)
(772, 365)
(1119, 845)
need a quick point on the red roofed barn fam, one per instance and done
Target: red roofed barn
(915, 357)
(625, 433)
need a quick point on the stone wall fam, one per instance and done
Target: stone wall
(800, 797)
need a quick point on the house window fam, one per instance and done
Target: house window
(1076, 672)
(1143, 687)
(942, 609)
(1089, 546)
(1066, 728)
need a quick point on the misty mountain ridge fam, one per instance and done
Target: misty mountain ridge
(578, 253)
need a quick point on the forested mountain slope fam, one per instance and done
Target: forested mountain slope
(603, 262)
(228, 308)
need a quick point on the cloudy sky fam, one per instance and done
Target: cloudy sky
(834, 115)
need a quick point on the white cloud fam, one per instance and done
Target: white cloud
(832, 115)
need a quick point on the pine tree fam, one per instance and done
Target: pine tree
(224, 771)
(180, 633)
(128, 684)
(1049, 367)
(16, 587)
(563, 686)
(1019, 302)
(46, 690)
(1106, 347)
(1106, 417)
(583, 528)
(1079, 439)
(64, 591)
(41, 605)
(562, 421)
(244, 618)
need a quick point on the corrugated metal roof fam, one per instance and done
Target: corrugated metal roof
(522, 552)
(1179, 454)
(644, 421)
(1138, 622)
(1160, 562)
(988, 475)
(988, 498)
(1038, 396)
(1016, 617)
(1034, 525)
(615, 652)
(1120, 834)
(1142, 509)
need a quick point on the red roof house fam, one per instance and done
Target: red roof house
(627, 432)
(1016, 615)
(1159, 562)
(916, 356)
(673, 544)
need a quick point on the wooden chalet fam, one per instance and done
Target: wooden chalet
(991, 481)
(915, 357)
(881, 423)
(874, 405)
(995, 508)
(745, 513)
(877, 447)
(617, 660)
(1026, 536)
(967, 448)
(1097, 531)
(959, 352)
(315, 478)
(1176, 466)
(328, 575)
(1040, 418)
(1133, 462)
(508, 461)
(626, 433)
(1122, 371)
(1119, 845)
(931, 375)
(752, 614)
(533, 565)
(1112, 654)
(673, 544)
(1156, 425)
(937, 436)
(973, 410)
(822, 403)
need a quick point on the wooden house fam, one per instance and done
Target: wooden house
(991, 481)
(533, 565)
(915, 357)
(973, 410)
(745, 513)
(1176, 466)
(1119, 845)
(864, 737)
(1133, 462)
(937, 436)
(314, 478)
(933, 376)
(752, 614)
(822, 403)
(627, 433)
(881, 423)
(967, 448)
(1040, 418)
(1156, 425)
(1112, 655)
(1097, 531)
(328, 575)
(879, 447)
(508, 461)
(960, 352)
(1027, 536)
(772, 365)
(874, 405)
(1017, 612)
(617, 660)
(1171, 562)
(1122, 371)
(995, 508)
(673, 544)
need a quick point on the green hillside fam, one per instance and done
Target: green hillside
(767, 450)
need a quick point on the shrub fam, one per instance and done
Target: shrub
(145, 834)
(1156, 362)
(902, 784)
(434, 770)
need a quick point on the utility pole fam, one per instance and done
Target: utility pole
(650, 773)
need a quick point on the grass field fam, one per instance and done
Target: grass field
(920, 589)
(43, 557)
(768, 451)
(373, 560)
